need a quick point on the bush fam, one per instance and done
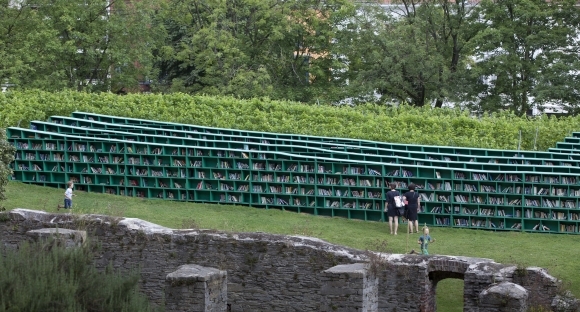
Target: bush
(6, 157)
(47, 277)
(404, 124)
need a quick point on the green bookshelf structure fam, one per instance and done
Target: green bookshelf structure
(340, 151)
(459, 187)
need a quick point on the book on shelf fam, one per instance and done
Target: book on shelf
(25, 167)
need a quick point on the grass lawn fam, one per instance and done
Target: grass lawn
(552, 251)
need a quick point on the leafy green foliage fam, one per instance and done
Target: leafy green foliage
(24, 41)
(403, 124)
(488, 56)
(413, 52)
(47, 277)
(91, 45)
(527, 53)
(248, 48)
(6, 157)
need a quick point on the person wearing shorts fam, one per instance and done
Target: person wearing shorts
(68, 194)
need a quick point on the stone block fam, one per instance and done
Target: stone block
(565, 303)
(64, 237)
(349, 287)
(195, 288)
(504, 297)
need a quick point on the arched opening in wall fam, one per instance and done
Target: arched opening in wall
(448, 287)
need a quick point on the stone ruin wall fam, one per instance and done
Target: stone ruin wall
(267, 272)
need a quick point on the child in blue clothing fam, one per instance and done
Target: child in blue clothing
(424, 240)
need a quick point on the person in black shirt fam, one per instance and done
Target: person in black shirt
(413, 206)
(392, 211)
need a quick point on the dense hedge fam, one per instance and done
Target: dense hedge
(372, 122)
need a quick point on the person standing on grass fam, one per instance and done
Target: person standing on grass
(392, 211)
(68, 194)
(412, 209)
(424, 241)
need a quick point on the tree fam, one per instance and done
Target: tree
(248, 48)
(526, 54)
(414, 52)
(79, 44)
(451, 27)
(26, 41)
(6, 158)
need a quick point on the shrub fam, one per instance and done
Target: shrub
(403, 124)
(6, 157)
(47, 277)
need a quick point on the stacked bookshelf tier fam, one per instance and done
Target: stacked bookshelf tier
(525, 157)
(475, 195)
(312, 149)
(306, 147)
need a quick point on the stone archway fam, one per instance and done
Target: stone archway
(436, 277)
(410, 283)
(440, 268)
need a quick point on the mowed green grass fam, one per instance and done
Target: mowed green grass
(556, 252)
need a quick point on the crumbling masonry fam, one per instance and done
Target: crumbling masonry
(203, 270)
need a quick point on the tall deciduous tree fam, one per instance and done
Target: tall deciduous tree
(526, 54)
(451, 25)
(413, 51)
(26, 41)
(79, 44)
(248, 48)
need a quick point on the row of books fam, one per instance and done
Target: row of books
(476, 223)
(229, 198)
(359, 170)
(540, 227)
(549, 203)
(446, 158)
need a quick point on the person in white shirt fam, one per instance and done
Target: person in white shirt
(68, 194)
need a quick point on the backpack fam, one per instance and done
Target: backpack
(399, 203)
